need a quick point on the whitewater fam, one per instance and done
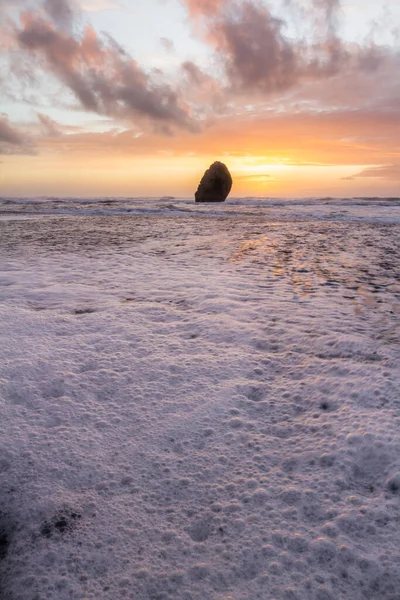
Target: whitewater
(199, 402)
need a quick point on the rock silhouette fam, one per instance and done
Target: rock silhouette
(215, 184)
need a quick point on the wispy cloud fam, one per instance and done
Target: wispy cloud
(10, 134)
(61, 11)
(256, 55)
(167, 44)
(101, 74)
(50, 127)
(379, 172)
(13, 140)
(320, 139)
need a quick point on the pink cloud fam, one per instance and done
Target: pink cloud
(10, 134)
(380, 172)
(13, 140)
(257, 57)
(50, 127)
(61, 11)
(199, 8)
(101, 75)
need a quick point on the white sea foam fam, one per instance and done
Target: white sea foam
(200, 408)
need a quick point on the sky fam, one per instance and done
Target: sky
(131, 98)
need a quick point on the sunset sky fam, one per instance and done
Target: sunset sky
(138, 97)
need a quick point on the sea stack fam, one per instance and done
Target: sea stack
(215, 185)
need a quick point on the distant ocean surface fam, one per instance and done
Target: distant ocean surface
(384, 210)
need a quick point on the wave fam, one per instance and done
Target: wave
(310, 208)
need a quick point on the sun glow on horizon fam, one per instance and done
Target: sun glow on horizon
(170, 175)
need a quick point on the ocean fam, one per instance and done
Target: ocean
(199, 401)
(331, 209)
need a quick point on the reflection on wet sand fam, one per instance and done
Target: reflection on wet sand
(358, 265)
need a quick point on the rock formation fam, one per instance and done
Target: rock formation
(215, 185)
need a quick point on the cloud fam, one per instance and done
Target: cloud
(103, 76)
(331, 7)
(379, 172)
(342, 138)
(329, 10)
(6, 4)
(201, 8)
(12, 140)
(60, 11)
(51, 128)
(257, 56)
(203, 92)
(167, 44)
(10, 134)
(259, 177)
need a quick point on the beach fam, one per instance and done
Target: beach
(199, 402)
